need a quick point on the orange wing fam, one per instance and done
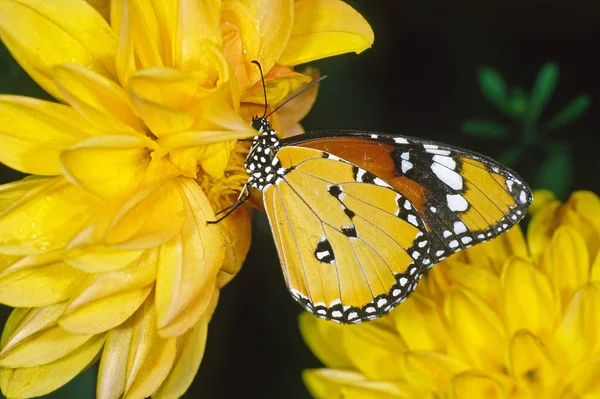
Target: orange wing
(351, 246)
(463, 197)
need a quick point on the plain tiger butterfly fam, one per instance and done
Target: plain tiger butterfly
(359, 217)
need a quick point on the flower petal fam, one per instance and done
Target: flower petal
(472, 385)
(237, 231)
(421, 324)
(541, 228)
(429, 370)
(374, 351)
(100, 100)
(541, 198)
(197, 21)
(39, 281)
(45, 218)
(190, 351)
(42, 34)
(113, 368)
(33, 133)
(155, 370)
(189, 263)
(275, 19)
(582, 213)
(103, 314)
(578, 334)
(321, 337)
(566, 261)
(45, 346)
(115, 239)
(529, 301)
(30, 382)
(299, 106)
(324, 28)
(331, 383)
(494, 253)
(280, 83)
(582, 380)
(481, 281)
(530, 363)
(108, 166)
(478, 327)
(24, 323)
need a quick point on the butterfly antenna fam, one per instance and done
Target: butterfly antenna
(262, 78)
(308, 87)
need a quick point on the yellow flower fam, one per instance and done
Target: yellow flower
(105, 250)
(506, 319)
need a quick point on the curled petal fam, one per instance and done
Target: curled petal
(275, 19)
(321, 336)
(324, 28)
(108, 166)
(241, 40)
(100, 100)
(197, 21)
(189, 263)
(42, 34)
(298, 108)
(280, 82)
(478, 327)
(33, 133)
(473, 385)
(30, 382)
(523, 284)
(531, 364)
(374, 351)
(45, 218)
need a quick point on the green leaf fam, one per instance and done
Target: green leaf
(573, 110)
(492, 86)
(484, 128)
(555, 172)
(517, 102)
(511, 155)
(542, 90)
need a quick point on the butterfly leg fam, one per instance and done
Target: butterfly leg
(243, 197)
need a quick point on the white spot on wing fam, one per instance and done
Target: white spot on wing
(406, 166)
(459, 227)
(457, 203)
(450, 177)
(400, 140)
(446, 161)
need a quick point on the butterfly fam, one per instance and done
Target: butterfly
(359, 217)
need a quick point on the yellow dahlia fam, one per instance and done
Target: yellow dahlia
(105, 250)
(511, 318)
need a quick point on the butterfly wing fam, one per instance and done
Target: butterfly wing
(351, 246)
(464, 198)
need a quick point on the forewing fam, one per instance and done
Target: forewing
(463, 197)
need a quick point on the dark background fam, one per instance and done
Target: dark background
(420, 79)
